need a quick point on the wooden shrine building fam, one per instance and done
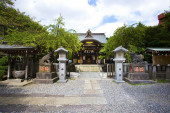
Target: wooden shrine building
(160, 62)
(92, 43)
(18, 50)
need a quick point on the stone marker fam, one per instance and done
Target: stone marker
(46, 75)
(62, 64)
(119, 59)
(138, 73)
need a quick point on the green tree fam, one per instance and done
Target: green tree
(59, 36)
(130, 37)
(159, 36)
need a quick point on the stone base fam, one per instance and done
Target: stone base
(45, 78)
(88, 68)
(45, 75)
(139, 81)
(15, 83)
(45, 81)
(62, 81)
(15, 80)
(138, 76)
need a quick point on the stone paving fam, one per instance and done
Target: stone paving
(88, 93)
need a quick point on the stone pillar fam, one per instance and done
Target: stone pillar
(62, 64)
(168, 72)
(125, 68)
(9, 66)
(119, 59)
(26, 66)
(154, 73)
(146, 66)
(119, 71)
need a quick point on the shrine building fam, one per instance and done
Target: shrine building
(92, 44)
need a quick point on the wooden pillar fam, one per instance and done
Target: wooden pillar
(153, 68)
(81, 59)
(9, 66)
(112, 69)
(107, 69)
(97, 59)
(31, 68)
(26, 65)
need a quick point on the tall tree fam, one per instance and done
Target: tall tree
(61, 37)
(130, 37)
(19, 29)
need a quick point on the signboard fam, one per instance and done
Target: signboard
(139, 69)
(44, 68)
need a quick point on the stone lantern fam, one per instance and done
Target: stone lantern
(119, 59)
(62, 64)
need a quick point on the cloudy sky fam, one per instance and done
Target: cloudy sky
(100, 16)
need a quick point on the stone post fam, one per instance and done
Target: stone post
(9, 66)
(62, 64)
(26, 66)
(119, 59)
(168, 72)
(154, 73)
(146, 66)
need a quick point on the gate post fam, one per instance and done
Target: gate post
(62, 64)
(119, 59)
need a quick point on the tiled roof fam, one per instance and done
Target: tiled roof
(11, 47)
(97, 36)
(158, 49)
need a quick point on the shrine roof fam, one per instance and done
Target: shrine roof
(12, 47)
(157, 49)
(61, 49)
(97, 36)
(120, 48)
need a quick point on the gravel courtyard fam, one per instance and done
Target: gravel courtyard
(120, 98)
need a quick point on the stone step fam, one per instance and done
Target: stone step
(88, 68)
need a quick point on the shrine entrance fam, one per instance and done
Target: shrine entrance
(89, 59)
(92, 44)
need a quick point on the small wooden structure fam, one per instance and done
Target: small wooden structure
(14, 50)
(160, 62)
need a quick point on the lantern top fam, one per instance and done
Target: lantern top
(61, 49)
(120, 48)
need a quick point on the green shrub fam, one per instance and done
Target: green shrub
(163, 81)
(3, 66)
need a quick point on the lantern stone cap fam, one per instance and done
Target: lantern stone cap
(120, 48)
(61, 49)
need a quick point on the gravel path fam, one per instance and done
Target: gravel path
(120, 98)
(124, 97)
(73, 88)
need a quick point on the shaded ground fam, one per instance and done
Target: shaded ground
(119, 98)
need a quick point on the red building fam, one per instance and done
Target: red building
(161, 17)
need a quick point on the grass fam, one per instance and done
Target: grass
(72, 79)
(163, 81)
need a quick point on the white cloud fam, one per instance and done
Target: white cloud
(79, 15)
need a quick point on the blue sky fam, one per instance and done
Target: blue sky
(102, 16)
(92, 2)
